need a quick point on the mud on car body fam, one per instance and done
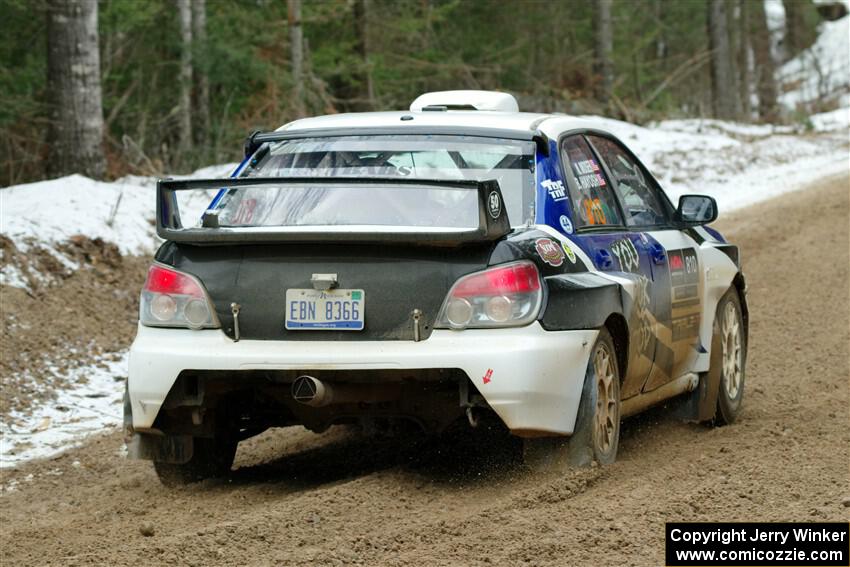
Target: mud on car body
(429, 266)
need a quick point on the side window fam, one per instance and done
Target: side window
(591, 198)
(640, 203)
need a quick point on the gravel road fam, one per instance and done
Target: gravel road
(337, 499)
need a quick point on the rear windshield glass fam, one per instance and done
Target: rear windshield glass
(351, 204)
(510, 162)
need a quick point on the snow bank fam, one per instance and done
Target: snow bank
(822, 72)
(121, 212)
(836, 120)
(52, 211)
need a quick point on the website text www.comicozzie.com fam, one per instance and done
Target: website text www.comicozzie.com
(804, 544)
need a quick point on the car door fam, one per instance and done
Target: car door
(621, 254)
(675, 261)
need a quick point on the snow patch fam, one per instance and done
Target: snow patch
(93, 405)
(836, 120)
(821, 73)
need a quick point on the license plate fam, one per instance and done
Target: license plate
(337, 309)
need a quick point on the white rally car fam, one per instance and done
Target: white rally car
(428, 266)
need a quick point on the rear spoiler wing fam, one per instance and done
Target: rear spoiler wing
(493, 220)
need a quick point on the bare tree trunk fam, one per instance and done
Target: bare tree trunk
(202, 94)
(296, 52)
(723, 84)
(765, 65)
(361, 28)
(744, 78)
(661, 38)
(603, 45)
(184, 114)
(75, 133)
(793, 27)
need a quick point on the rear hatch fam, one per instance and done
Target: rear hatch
(356, 280)
(396, 280)
(347, 237)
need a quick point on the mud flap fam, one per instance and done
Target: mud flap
(563, 453)
(701, 404)
(177, 449)
(580, 447)
(174, 449)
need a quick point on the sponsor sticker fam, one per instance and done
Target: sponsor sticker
(627, 254)
(569, 252)
(566, 224)
(549, 252)
(593, 211)
(555, 189)
(494, 205)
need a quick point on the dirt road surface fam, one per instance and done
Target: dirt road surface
(336, 499)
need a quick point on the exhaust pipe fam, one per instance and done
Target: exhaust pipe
(311, 392)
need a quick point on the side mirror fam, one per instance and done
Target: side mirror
(696, 210)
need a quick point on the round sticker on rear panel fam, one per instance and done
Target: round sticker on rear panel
(566, 224)
(549, 252)
(494, 204)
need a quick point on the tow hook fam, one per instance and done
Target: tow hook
(417, 317)
(234, 308)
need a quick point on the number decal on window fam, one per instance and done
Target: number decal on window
(594, 211)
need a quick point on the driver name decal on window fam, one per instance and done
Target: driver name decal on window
(588, 174)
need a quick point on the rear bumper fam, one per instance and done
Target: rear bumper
(534, 377)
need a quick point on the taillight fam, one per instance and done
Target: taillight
(505, 296)
(174, 299)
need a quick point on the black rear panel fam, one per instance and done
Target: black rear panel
(396, 280)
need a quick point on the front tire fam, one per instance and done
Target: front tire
(211, 458)
(729, 327)
(596, 435)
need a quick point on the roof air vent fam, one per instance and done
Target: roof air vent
(466, 100)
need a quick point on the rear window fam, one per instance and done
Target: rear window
(510, 162)
(350, 204)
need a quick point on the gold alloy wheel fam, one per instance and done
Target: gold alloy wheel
(730, 344)
(607, 409)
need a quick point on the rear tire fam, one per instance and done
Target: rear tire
(729, 327)
(596, 435)
(211, 458)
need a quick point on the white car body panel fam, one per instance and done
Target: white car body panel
(535, 385)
